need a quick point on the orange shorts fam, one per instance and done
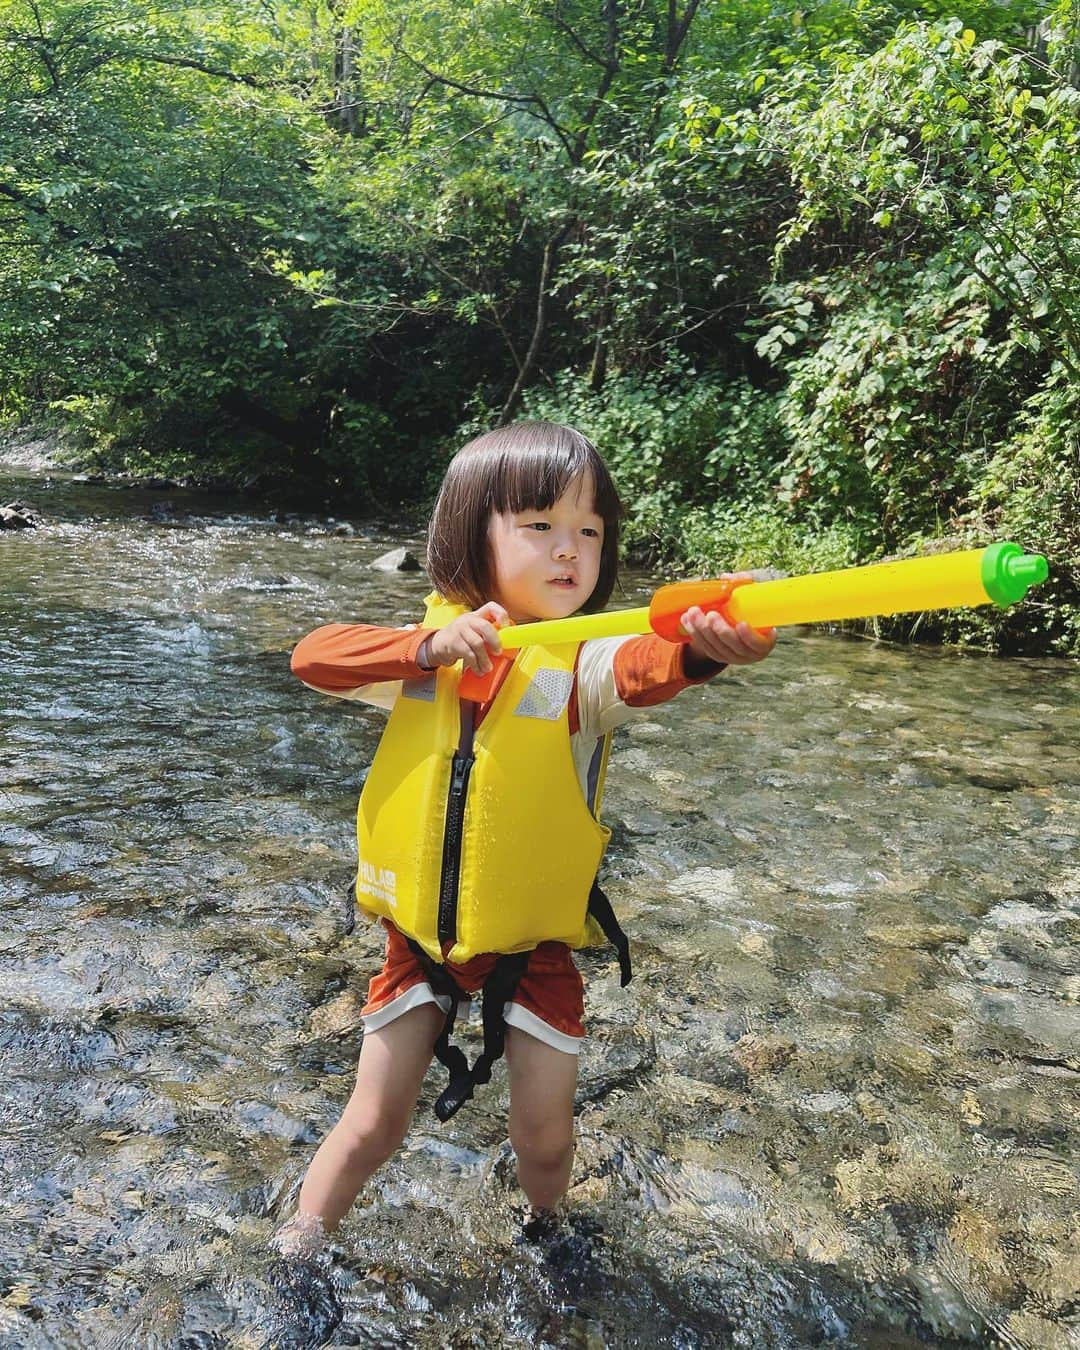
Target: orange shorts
(549, 1002)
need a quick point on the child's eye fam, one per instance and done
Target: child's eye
(593, 534)
(539, 525)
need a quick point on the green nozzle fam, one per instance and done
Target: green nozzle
(1007, 572)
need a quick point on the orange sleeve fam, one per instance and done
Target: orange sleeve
(348, 655)
(650, 670)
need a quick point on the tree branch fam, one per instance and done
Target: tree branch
(159, 59)
(513, 399)
(611, 69)
(563, 27)
(545, 114)
(677, 30)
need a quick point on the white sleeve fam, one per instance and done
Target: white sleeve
(600, 709)
(383, 694)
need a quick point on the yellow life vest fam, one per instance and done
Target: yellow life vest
(483, 839)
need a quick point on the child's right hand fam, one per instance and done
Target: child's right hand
(469, 638)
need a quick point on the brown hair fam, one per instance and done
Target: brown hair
(526, 466)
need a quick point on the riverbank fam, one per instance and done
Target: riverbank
(675, 541)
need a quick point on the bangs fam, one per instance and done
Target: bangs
(534, 473)
(526, 466)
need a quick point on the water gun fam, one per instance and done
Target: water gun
(999, 575)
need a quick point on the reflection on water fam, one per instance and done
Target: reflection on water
(838, 1102)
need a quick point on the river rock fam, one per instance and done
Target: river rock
(615, 1057)
(885, 1175)
(339, 1017)
(980, 1244)
(763, 1054)
(397, 560)
(1026, 1328)
(18, 516)
(916, 936)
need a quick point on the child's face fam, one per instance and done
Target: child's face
(546, 563)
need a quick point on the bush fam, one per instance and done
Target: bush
(674, 440)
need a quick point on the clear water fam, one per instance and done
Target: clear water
(838, 1103)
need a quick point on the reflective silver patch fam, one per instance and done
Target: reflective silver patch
(547, 695)
(423, 689)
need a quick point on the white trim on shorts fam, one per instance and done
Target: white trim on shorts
(414, 997)
(514, 1015)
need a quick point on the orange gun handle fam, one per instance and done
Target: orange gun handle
(670, 603)
(479, 688)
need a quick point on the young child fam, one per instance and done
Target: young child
(478, 836)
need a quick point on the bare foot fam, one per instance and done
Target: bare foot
(302, 1235)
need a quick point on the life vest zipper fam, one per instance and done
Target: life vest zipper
(454, 832)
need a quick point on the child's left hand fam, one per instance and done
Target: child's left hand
(714, 639)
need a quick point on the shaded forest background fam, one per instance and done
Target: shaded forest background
(806, 274)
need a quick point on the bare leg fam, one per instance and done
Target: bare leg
(393, 1061)
(542, 1083)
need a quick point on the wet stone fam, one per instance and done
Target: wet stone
(921, 937)
(826, 1103)
(19, 516)
(883, 1176)
(339, 1017)
(397, 560)
(1029, 1329)
(613, 1058)
(764, 1054)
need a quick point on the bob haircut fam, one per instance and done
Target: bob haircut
(526, 466)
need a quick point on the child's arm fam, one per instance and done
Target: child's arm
(342, 657)
(618, 675)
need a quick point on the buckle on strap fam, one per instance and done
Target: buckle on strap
(499, 989)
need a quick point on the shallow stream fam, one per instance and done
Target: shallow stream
(838, 1104)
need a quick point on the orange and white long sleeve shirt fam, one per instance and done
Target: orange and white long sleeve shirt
(613, 678)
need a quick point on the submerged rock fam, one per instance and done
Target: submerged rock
(890, 1176)
(339, 1017)
(763, 1054)
(615, 1057)
(397, 560)
(19, 516)
(916, 936)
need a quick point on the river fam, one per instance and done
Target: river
(838, 1103)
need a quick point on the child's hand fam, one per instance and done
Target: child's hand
(469, 639)
(714, 639)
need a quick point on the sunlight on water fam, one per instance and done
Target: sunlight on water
(838, 1102)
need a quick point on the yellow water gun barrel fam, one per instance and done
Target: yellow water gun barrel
(616, 623)
(1000, 574)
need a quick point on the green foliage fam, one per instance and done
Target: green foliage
(1031, 491)
(941, 139)
(673, 439)
(806, 276)
(896, 394)
(677, 446)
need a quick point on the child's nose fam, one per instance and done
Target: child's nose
(566, 548)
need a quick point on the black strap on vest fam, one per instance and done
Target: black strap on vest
(600, 909)
(350, 908)
(499, 990)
